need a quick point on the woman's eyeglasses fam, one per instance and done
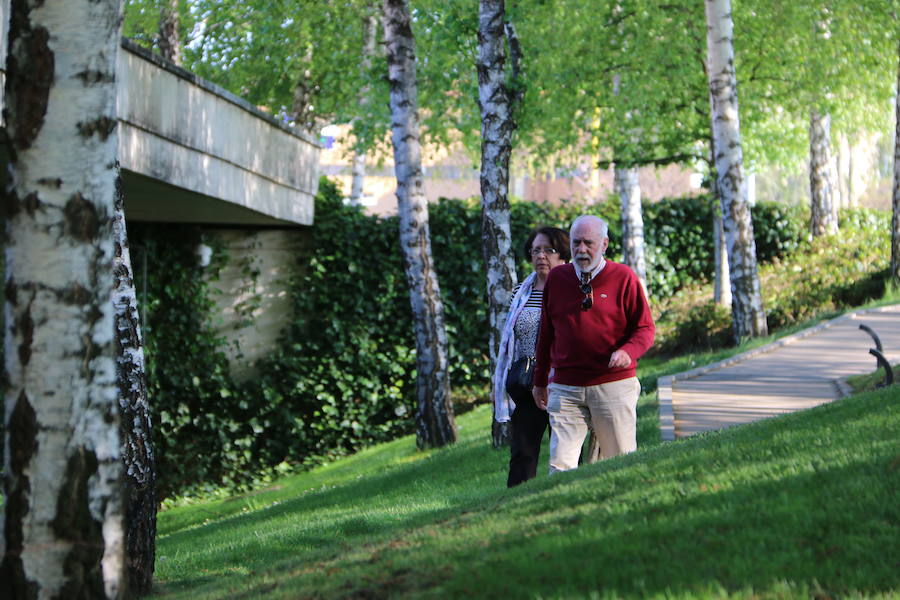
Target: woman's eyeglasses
(588, 300)
(547, 251)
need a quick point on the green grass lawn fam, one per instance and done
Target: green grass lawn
(804, 505)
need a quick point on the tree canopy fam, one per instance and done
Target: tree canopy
(620, 79)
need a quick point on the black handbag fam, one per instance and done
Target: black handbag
(519, 379)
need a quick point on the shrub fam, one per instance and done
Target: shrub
(828, 274)
(194, 410)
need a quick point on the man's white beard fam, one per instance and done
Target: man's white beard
(593, 265)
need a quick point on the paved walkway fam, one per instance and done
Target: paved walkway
(796, 372)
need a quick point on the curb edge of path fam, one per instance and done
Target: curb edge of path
(664, 383)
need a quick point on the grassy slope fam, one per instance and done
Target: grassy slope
(790, 507)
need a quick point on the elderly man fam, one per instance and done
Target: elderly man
(595, 324)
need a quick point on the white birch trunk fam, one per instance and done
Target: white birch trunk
(64, 531)
(722, 283)
(722, 275)
(169, 35)
(895, 220)
(435, 425)
(629, 189)
(370, 30)
(748, 316)
(137, 447)
(823, 212)
(303, 93)
(358, 176)
(495, 100)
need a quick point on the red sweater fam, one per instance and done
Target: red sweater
(578, 343)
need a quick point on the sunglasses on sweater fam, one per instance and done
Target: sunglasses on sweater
(588, 300)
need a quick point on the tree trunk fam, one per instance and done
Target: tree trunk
(722, 275)
(495, 100)
(748, 316)
(435, 425)
(137, 448)
(169, 36)
(895, 221)
(823, 216)
(303, 94)
(370, 30)
(358, 176)
(722, 284)
(64, 531)
(629, 189)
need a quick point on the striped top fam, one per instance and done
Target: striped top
(527, 325)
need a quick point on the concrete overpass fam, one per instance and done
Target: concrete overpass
(192, 152)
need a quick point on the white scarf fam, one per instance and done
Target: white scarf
(503, 404)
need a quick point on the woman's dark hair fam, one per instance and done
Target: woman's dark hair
(559, 239)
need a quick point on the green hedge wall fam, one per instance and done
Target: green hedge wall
(342, 377)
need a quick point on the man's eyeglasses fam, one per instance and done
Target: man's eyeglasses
(547, 251)
(588, 300)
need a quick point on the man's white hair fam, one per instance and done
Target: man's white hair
(594, 222)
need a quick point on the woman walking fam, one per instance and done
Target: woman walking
(546, 247)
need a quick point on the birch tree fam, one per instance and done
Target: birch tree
(64, 533)
(137, 446)
(629, 189)
(895, 220)
(497, 95)
(748, 316)
(823, 212)
(169, 35)
(435, 425)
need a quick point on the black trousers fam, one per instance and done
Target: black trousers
(528, 424)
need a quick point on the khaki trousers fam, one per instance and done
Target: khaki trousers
(610, 408)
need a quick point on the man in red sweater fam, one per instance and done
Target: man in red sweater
(595, 324)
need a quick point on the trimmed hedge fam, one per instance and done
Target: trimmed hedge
(342, 377)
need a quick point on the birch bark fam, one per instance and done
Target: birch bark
(895, 220)
(629, 189)
(64, 532)
(823, 213)
(722, 277)
(303, 94)
(722, 283)
(496, 99)
(169, 36)
(137, 447)
(748, 316)
(435, 425)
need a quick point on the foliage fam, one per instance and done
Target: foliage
(844, 270)
(835, 57)
(345, 371)
(194, 410)
(829, 274)
(142, 20)
(743, 507)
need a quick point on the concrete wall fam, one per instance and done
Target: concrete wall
(194, 152)
(251, 291)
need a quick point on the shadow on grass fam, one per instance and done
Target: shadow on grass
(811, 502)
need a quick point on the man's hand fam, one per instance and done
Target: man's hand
(619, 360)
(540, 397)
